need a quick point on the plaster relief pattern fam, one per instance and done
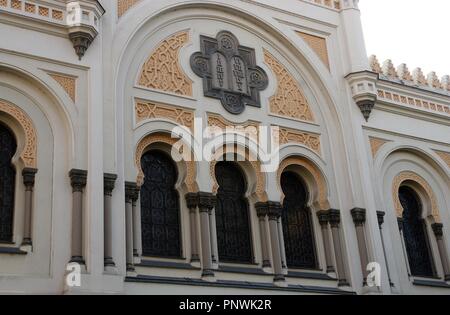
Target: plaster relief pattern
(162, 70)
(67, 83)
(410, 176)
(289, 100)
(309, 140)
(376, 144)
(445, 156)
(319, 45)
(124, 5)
(145, 110)
(249, 127)
(190, 181)
(29, 154)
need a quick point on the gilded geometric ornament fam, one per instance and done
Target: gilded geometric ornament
(229, 72)
(250, 128)
(146, 110)
(309, 140)
(289, 100)
(29, 154)
(410, 176)
(162, 70)
(67, 83)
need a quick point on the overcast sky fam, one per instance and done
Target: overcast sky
(415, 32)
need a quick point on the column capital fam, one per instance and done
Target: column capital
(109, 183)
(359, 216)
(335, 217)
(380, 216)
(438, 230)
(275, 210)
(78, 179)
(206, 201)
(262, 209)
(130, 191)
(324, 217)
(29, 175)
(191, 200)
(400, 224)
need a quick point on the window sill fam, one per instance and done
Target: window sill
(12, 251)
(166, 264)
(309, 275)
(432, 283)
(242, 270)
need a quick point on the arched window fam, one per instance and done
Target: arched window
(297, 224)
(415, 234)
(232, 215)
(160, 207)
(8, 147)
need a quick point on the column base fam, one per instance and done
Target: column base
(111, 270)
(109, 262)
(280, 281)
(77, 260)
(366, 290)
(137, 260)
(208, 275)
(266, 264)
(447, 278)
(343, 283)
(26, 248)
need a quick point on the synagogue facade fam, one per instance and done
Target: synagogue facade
(216, 147)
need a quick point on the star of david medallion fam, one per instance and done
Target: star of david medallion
(229, 72)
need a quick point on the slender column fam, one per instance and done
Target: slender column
(359, 218)
(192, 202)
(335, 221)
(206, 203)
(262, 212)
(381, 215)
(28, 175)
(323, 220)
(274, 212)
(136, 222)
(78, 180)
(213, 231)
(282, 245)
(130, 191)
(439, 233)
(109, 181)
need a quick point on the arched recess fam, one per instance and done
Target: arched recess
(250, 165)
(164, 138)
(418, 184)
(28, 154)
(313, 177)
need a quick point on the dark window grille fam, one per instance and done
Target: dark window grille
(160, 207)
(232, 215)
(297, 224)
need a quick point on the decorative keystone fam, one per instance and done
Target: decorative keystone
(364, 91)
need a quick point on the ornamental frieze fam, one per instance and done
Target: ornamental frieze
(229, 72)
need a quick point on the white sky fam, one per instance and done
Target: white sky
(415, 32)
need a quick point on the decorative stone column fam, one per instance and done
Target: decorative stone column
(282, 245)
(439, 233)
(78, 179)
(380, 216)
(130, 192)
(136, 223)
(262, 212)
(274, 213)
(402, 239)
(359, 218)
(335, 222)
(192, 203)
(109, 181)
(323, 220)
(28, 175)
(206, 203)
(213, 231)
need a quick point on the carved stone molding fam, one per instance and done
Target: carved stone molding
(289, 100)
(124, 5)
(68, 83)
(78, 179)
(190, 181)
(335, 218)
(359, 216)
(81, 42)
(322, 199)
(250, 127)
(308, 139)
(145, 110)
(410, 176)
(109, 182)
(229, 72)
(29, 153)
(318, 45)
(162, 70)
(376, 144)
(260, 189)
(445, 156)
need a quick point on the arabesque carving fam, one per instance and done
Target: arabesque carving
(162, 70)
(146, 110)
(376, 144)
(190, 181)
(410, 176)
(319, 45)
(250, 128)
(67, 83)
(29, 154)
(289, 100)
(124, 5)
(308, 139)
